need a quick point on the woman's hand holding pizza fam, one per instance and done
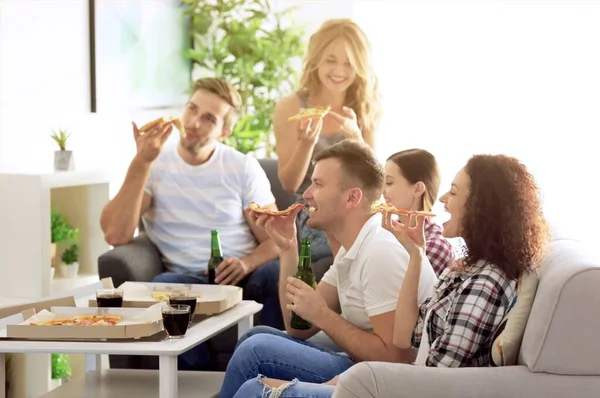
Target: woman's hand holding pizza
(412, 238)
(309, 130)
(346, 123)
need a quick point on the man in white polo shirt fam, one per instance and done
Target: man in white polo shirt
(184, 191)
(355, 301)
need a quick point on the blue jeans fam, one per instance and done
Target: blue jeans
(260, 286)
(275, 354)
(255, 388)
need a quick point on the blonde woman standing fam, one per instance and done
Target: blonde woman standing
(337, 73)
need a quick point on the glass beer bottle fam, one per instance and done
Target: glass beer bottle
(216, 256)
(305, 274)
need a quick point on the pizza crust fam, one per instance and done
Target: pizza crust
(311, 113)
(259, 209)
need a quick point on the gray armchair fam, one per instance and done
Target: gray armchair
(140, 261)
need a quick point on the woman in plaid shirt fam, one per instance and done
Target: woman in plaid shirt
(495, 208)
(412, 182)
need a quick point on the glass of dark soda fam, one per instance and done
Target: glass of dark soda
(176, 319)
(186, 299)
(109, 298)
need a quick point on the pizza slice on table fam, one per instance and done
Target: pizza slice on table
(255, 207)
(311, 113)
(81, 320)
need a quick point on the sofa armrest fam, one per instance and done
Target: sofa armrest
(382, 380)
(137, 261)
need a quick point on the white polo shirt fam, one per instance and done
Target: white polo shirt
(368, 277)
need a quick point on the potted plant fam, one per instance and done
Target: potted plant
(70, 258)
(60, 232)
(63, 159)
(60, 369)
(255, 48)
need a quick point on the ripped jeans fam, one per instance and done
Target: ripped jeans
(275, 354)
(255, 388)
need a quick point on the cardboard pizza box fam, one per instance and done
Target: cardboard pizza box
(37, 306)
(136, 323)
(212, 299)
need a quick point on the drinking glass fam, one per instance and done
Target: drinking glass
(109, 298)
(185, 298)
(176, 319)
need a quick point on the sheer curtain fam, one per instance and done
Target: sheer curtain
(514, 77)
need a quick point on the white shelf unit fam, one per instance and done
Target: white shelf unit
(25, 204)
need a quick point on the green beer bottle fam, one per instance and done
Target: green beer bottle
(216, 256)
(305, 274)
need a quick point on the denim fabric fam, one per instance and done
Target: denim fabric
(260, 286)
(319, 246)
(275, 354)
(255, 388)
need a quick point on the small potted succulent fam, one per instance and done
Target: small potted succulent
(61, 232)
(63, 159)
(70, 258)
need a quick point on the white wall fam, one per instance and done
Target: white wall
(514, 77)
(44, 81)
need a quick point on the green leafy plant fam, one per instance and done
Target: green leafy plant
(61, 368)
(60, 137)
(60, 229)
(256, 49)
(70, 255)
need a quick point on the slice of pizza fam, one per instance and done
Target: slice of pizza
(259, 209)
(311, 113)
(381, 206)
(162, 121)
(423, 214)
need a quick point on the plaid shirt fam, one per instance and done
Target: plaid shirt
(467, 308)
(437, 248)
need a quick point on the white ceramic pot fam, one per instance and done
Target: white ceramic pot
(63, 161)
(55, 383)
(70, 271)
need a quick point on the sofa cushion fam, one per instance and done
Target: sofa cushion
(561, 336)
(507, 341)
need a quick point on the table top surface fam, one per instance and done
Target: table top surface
(198, 333)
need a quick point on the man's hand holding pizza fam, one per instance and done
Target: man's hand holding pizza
(280, 226)
(150, 140)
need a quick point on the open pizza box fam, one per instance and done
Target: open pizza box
(132, 323)
(211, 299)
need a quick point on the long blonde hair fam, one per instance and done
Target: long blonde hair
(362, 96)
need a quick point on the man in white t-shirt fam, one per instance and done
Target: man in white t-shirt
(354, 304)
(184, 191)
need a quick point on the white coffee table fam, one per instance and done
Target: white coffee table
(167, 351)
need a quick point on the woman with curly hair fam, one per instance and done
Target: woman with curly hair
(337, 73)
(495, 207)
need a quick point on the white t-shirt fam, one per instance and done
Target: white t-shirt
(369, 276)
(190, 201)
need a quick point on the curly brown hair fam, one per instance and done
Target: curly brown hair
(503, 222)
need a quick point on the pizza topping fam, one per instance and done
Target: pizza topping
(259, 209)
(311, 113)
(81, 320)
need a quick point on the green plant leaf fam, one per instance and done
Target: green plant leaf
(246, 45)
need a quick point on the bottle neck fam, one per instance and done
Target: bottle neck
(215, 247)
